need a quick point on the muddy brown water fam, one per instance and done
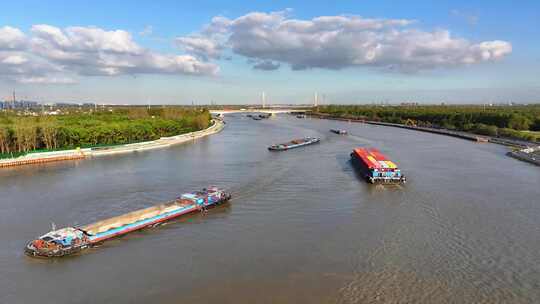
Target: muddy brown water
(302, 226)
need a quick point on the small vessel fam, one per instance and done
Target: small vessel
(69, 240)
(256, 118)
(296, 143)
(301, 116)
(339, 131)
(375, 167)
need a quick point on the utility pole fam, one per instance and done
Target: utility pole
(263, 96)
(13, 101)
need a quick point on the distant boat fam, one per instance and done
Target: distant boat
(301, 116)
(339, 131)
(296, 143)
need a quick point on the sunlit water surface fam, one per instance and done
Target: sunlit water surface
(302, 227)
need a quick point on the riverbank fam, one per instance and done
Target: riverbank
(164, 142)
(527, 151)
(463, 135)
(530, 155)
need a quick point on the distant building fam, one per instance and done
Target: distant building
(18, 104)
(56, 112)
(65, 104)
(409, 104)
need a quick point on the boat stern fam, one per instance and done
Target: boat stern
(219, 194)
(57, 243)
(31, 249)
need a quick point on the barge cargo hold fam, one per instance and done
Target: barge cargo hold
(71, 240)
(294, 144)
(375, 167)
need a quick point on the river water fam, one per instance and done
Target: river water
(302, 227)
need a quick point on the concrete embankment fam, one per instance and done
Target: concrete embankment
(530, 155)
(164, 142)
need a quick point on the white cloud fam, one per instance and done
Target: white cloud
(15, 60)
(46, 80)
(11, 38)
(50, 53)
(15, 65)
(200, 46)
(336, 42)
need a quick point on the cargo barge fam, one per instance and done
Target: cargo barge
(375, 167)
(69, 240)
(296, 143)
(339, 131)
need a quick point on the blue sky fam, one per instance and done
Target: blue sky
(433, 68)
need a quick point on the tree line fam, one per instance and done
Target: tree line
(507, 121)
(21, 134)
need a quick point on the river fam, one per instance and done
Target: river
(302, 227)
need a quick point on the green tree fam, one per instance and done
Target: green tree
(518, 122)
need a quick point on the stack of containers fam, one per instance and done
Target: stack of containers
(376, 165)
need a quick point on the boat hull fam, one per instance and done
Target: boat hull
(33, 252)
(285, 147)
(35, 248)
(340, 132)
(366, 174)
(153, 222)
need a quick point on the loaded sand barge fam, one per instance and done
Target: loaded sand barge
(71, 240)
(296, 143)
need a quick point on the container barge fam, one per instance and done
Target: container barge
(296, 143)
(69, 240)
(375, 167)
(339, 131)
